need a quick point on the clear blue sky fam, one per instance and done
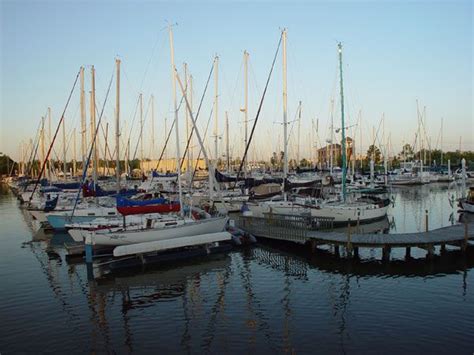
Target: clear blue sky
(394, 54)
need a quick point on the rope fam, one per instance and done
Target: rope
(197, 114)
(54, 137)
(258, 112)
(84, 173)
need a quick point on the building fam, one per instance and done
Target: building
(324, 153)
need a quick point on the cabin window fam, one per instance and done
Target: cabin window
(111, 213)
(91, 214)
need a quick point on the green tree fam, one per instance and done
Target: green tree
(374, 152)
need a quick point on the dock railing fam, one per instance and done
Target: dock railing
(284, 226)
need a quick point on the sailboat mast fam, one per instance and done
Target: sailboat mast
(216, 109)
(117, 125)
(343, 143)
(299, 136)
(74, 167)
(83, 120)
(176, 123)
(227, 141)
(43, 153)
(188, 163)
(93, 128)
(285, 116)
(152, 127)
(331, 162)
(441, 140)
(246, 103)
(64, 147)
(141, 133)
(50, 166)
(191, 147)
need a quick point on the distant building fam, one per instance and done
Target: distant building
(324, 153)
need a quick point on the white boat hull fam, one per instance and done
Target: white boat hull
(344, 213)
(125, 237)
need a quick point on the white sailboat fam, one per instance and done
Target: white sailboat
(362, 209)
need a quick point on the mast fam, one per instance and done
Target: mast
(441, 140)
(343, 125)
(188, 163)
(285, 118)
(227, 141)
(331, 164)
(246, 103)
(43, 153)
(49, 167)
(299, 136)
(64, 147)
(83, 120)
(74, 166)
(117, 125)
(152, 127)
(141, 133)
(216, 109)
(176, 124)
(191, 146)
(93, 128)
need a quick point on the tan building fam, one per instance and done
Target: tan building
(324, 153)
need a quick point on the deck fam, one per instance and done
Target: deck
(315, 232)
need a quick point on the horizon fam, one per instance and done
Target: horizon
(394, 55)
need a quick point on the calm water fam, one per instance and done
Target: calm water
(260, 299)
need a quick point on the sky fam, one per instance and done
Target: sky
(396, 55)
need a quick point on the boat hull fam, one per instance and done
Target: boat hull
(161, 208)
(124, 237)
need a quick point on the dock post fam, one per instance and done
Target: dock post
(386, 253)
(336, 250)
(349, 244)
(430, 252)
(466, 236)
(88, 249)
(442, 249)
(407, 253)
(356, 252)
(358, 221)
(312, 245)
(426, 220)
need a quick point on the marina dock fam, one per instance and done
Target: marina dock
(316, 232)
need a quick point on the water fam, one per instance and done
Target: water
(262, 299)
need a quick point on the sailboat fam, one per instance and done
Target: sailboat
(178, 228)
(363, 209)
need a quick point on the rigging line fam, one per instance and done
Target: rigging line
(35, 143)
(258, 111)
(149, 61)
(164, 148)
(54, 138)
(203, 142)
(138, 141)
(198, 111)
(237, 81)
(36, 149)
(84, 173)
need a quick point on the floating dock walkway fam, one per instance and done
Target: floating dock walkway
(315, 232)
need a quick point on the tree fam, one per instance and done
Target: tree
(304, 163)
(374, 153)
(407, 152)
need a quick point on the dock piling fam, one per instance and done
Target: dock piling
(426, 220)
(386, 253)
(407, 253)
(349, 244)
(466, 236)
(88, 249)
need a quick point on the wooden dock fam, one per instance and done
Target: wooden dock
(312, 231)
